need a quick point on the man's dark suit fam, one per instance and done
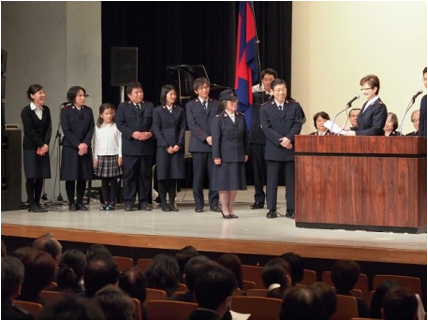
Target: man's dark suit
(276, 125)
(199, 123)
(372, 119)
(423, 117)
(137, 155)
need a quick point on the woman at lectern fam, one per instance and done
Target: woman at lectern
(37, 124)
(373, 115)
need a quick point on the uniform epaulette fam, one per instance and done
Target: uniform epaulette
(265, 103)
(217, 116)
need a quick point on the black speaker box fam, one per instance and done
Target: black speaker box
(124, 65)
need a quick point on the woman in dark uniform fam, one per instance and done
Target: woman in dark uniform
(37, 123)
(77, 123)
(169, 125)
(319, 119)
(230, 152)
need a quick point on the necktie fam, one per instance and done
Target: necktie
(280, 107)
(204, 103)
(138, 106)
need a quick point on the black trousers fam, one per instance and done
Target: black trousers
(137, 174)
(273, 169)
(201, 163)
(257, 157)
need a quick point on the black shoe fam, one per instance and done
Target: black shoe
(199, 209)
(35, 208)
(104, 207)
(233, 215)
(215, 209)
(145, 207)
(129, 208)
(290, 214)
(81, 207)
(257, 205)
(173, 208)
(271, 214)
(112, 207)
(72, 207)
(226, 217)
(165, 208)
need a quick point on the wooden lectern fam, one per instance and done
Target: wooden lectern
(373, 183)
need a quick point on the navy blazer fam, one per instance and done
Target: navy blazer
(169, 128)
(78, 126)
(277, 124)
(37, 132)
(371, 121)
(230, 139)
(129, 119)
(423, 117)
(256, 133)
(199, 122)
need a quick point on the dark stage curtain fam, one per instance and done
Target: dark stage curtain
(169, 33)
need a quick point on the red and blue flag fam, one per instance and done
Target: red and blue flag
(247, 71)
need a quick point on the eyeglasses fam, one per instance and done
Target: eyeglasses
(365, 89)
(203, 87)
(415, 120)
(280, 90)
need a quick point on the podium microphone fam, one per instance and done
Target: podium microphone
(352, 100)
(416, 95)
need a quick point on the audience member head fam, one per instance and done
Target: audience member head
(194, 269)
(21, 251)
(399, 304)
(233, 263)
(71, 269)
(376, 302)
(12, 276)
(115, 303)
(391, 123)
(3, 249)
(328, 298)
(99, 273)
(39, 271)
(183, 256)
(72, 308)
(297, 266)
(319, 119)
(353, 115)
(300, 304)
(163, 273)
(214, 288)
(276, 277)
(371, 81)
(133, 282)
(47, 243)
(345, 274)
(97, 251)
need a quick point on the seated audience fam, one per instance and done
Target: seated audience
(319, 119)
(115, 303)
(183, 256)
(12, 276)
(300, 304)
(3, 249)
(297, 266)
(21, 251)
(163, 273)
(391, 125)
(99, 273)
(47, 243)
(328, 299)
(72, 308)
(133, 282)
(345, 274)
(233, 263)
(399, 304)
(415, 121)
(213, 292)
(70, 273)
(97, 251)
(376, 302)
(276, 277)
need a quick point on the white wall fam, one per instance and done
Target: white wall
(58, 45)
(335, 44)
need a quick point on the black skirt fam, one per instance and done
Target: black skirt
(229, 177)
(36, 166)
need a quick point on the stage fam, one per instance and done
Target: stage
(250, 234)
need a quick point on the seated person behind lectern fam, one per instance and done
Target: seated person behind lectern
(353, 115)
(373, 115)
(415, 121)
(319, 119)
(391, 125)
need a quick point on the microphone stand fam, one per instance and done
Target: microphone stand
(348, 105)
(412, 101)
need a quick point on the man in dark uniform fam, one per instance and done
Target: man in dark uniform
(423, 109)
(257, 139)
(199, 114)
(281, 120)
(134, 119)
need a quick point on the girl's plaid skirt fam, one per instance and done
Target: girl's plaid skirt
(107, 166)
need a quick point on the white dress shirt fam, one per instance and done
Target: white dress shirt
(38, 111)
(107, 140)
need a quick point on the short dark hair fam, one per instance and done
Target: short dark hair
(379, 294)
(164, 91)
(233, 263)
(32, 90)
(300, 304)
(399, 304)
(133, 282)
(278, 81)
(71, 307)
(349, 114)
(372, 80)
(322, 114)
(184, 255)
(163, 273)
(424, 71)
(97, 251)
(72, 93)
(328, 298)
(39, 271)
(269, 71)
(198, 82)
(115, 303)
(195, 267)
(12, 275)
(275, 271)
(131, 86)
(345, 274)
(99, 273)
(394, 119)
(297, 265)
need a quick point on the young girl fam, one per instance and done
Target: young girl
(107, 155)
(169, 126)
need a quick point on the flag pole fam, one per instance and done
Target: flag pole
(257, 42)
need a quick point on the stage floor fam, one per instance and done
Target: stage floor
(252, 233)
